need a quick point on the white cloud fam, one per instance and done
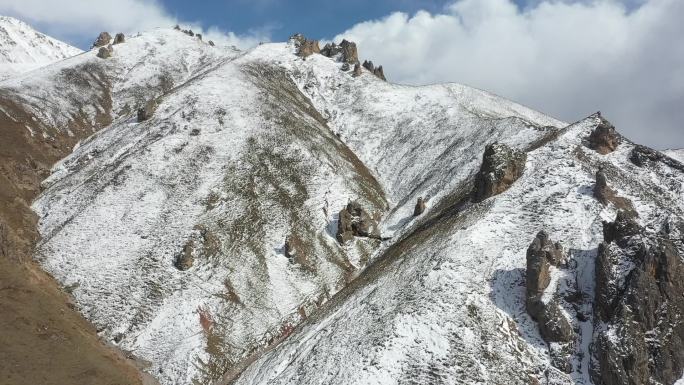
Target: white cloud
(567, 59)
(78, 18)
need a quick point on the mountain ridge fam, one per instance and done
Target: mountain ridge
(199, 234)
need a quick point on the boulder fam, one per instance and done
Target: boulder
(211, 43)
(345, 67)
(604, 139)
(354, 221)
(147, 111)
(420, 207)
(105, 52)
(102, 40)
(119, 38)
(501, 167)
(186, 258)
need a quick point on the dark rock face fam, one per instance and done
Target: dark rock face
(199, 36)
(642, 156)
(211, 43)
(420, 207)
(501, 167)
(119, 38)
(355, 221)
(105, 52)
(102, 40)
(305, 47)
(639, 298)
(545, 308)
(604, 139)
(147, 110)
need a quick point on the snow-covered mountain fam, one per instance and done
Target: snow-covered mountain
(202, 222)
(23, 49)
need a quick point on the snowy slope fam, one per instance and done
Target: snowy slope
(236, 159)
(249, 148)
(23, 49)
(675, 154)
(446, 305)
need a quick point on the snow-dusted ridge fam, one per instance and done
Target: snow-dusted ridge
(249, 148)
(23, 49)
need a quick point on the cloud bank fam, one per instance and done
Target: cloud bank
(568, 59)
(76, 20)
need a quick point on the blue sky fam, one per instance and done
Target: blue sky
(282, 18)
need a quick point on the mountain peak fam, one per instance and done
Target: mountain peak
(23, 49)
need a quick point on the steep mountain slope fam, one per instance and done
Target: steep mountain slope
(23, 49)
(201, 217)
(446, 304)
(44, 114)
(170, 233)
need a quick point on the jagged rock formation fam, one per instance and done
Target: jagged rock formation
(543, 301)
(606, 195)
(345, 52)
(420, 207)
(105, 52)
(354, 221)
(501, 166)
(357, 70)
(305, 47)
(103, 39)
(147, 111)
(119, 38)
(377, 71)
(639, 298)
(604, 139)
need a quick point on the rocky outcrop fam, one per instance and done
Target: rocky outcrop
(639, 299)
(420, 207)
(604, 194)
(105, 52)
(357, 70)
(211, 43)
(147, 111)
(501, 167)
(377, 71)
(604, 139)
(354, 221)
(119, 38)
(544, 307)
(345, 52)
(185, 259)
(305, 47)
(102, 40)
